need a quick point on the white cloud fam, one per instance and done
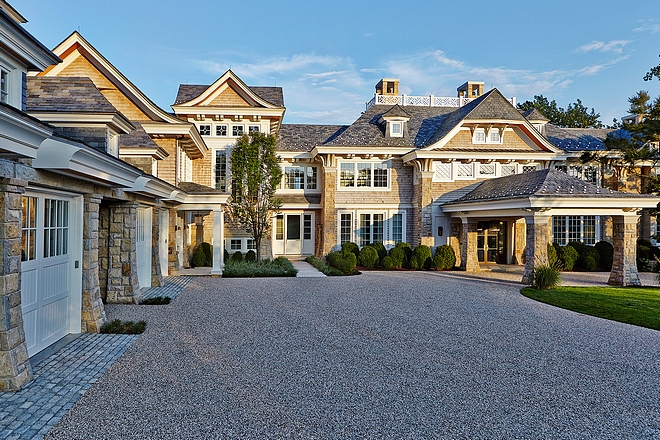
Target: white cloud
(648, 26)
(615, 46)
(594, 69)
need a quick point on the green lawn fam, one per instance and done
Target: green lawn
(632, 305)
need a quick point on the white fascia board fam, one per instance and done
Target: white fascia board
(83, 162)
(575, 205)
(300, 206)
(25, 47)
(81, 119)
(156, 153)
(19, 136)
(375, 151)
(152, 186)
(287, 155)
(193, 202)
(185, 111)
(481, 155)
(374, 206)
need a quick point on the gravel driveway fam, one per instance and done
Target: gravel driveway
(381, 355)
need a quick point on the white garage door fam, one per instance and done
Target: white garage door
(48, 272)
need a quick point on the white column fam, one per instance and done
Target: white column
(218, 241)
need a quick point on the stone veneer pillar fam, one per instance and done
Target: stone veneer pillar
(519, 241)
(15, 370)
(624, 266)
(123, 285)
(156, 272)
(423, 200)
(329, 219)
(469, 256)
(172, 252)
(537, 236)
(92, 313)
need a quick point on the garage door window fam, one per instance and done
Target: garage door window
(29, 229)
(56, 228)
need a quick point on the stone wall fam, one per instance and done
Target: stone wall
(96, 138)
(143, 163)
(538, 235)
(329, 220)
(122, 283)
(15, 370)
(93, 313)
(624, 265)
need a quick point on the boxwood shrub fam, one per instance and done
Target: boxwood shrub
(445, 258)
(421, 258)
(382, 252)
(606, 252)
(368, 257)
(388, 263)
(398, 256)
(407, 249)
(251, 256)
(343, 260)
(237, 257)
(351, 247)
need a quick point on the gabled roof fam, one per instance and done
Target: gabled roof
(537, 183)
(577, 139)
(65, 94)
(75, 41)
(534, 115)
(396, 112)
(304, 137)
(193, 95)
(20, 43)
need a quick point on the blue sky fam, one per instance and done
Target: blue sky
(329, 55)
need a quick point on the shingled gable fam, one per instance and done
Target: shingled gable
(542, 183)
(76, 43)
(199, 95)
(534, 115)
(492, 107)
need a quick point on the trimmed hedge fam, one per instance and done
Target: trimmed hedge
(380, 248)
(279, 267)
(407, 249)
(567, 256)
(421, 258)
(351, 247)
(445, 258)
(398, 256)
(388, 263)
(251, 256)
(343, 260)
(199, 258)
(237, 257)
(368, 257)
(324, 267)
(606, 252)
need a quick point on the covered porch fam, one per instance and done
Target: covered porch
(530, 200)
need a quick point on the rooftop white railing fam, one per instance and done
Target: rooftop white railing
(423, 101)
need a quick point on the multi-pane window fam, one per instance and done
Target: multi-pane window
(345, 228)
(237, 130)
(364, 175)
(221, 130)
(307, 227)
(397, 228)
(299, 177)
(479, 136)
(396, 129)
(221, 170)
(56, 228)
(347, 175)
(253, 129)
(205, 130)
(528, 168)
(29, 229)
(250, 244)
(294, 177)
(575, 228)
(4, 86)
(587, 173)
(494, 136)
(235, 244)
(279, 227)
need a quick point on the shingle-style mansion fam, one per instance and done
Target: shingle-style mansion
(103, 193)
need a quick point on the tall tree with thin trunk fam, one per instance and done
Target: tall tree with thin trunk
(256, 174)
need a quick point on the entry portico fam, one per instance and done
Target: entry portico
(538, 196)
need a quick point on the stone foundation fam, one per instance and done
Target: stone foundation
(92, 313)
(624, 267)
(122, 281)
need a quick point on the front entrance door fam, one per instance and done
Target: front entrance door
(491, 242)
(293, 234)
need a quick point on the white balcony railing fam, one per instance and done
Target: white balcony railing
(423, 101)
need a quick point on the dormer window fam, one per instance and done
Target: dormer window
(494, 136)
(483, 136)
(479, 136)
(396, 129)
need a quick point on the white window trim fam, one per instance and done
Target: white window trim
(399, 125)
(215, 130)
(388, 163)
(486, 133)
(244, 245)
(199, 127)
(282, 189)
(388, 220)
(214, 158)
(597, 236)
(455, 171)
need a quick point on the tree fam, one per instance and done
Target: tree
(637, 142)
(255, 176)
(576, 115)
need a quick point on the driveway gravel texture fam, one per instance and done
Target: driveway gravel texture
(392, 355)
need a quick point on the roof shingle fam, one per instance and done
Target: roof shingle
(65, 94)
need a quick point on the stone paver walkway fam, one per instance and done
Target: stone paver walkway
(172, 287)
(306, 270)
(59, 381)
